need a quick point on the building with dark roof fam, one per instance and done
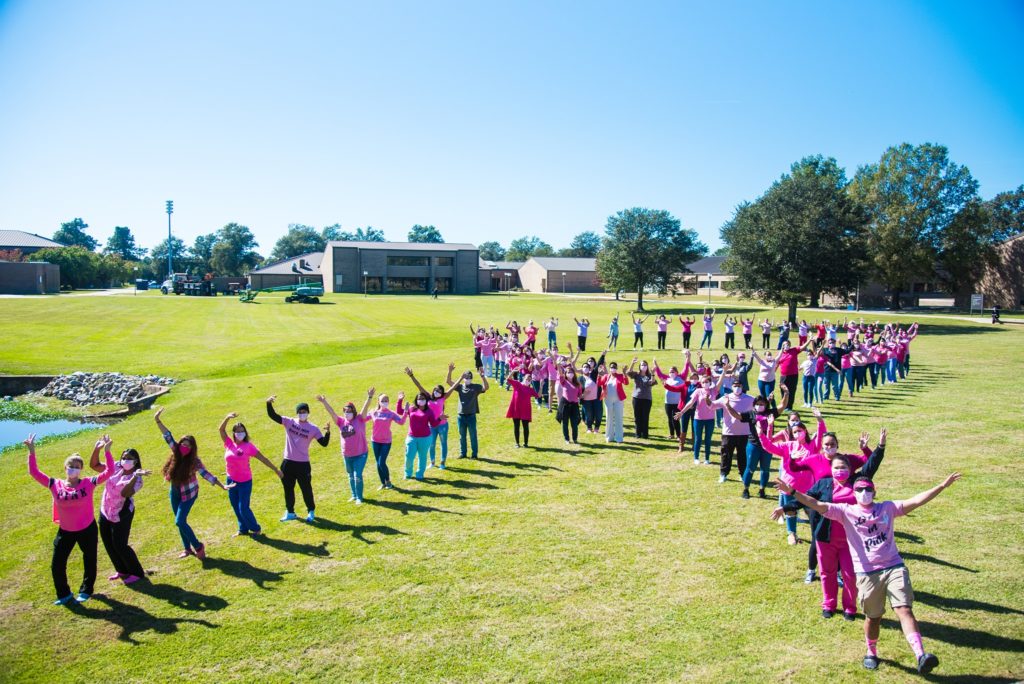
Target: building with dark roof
(706, 274)
(298, 270)
(401, 267)
(26, 243)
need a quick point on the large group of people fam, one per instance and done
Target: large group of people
(851, 540)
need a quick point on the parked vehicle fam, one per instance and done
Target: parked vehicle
(306, 294)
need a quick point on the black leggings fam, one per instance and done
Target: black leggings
(526, 430)
(730, 340)
(766, 341)
(63, 544)
(297, 471)
(790, 382)
(581, 342)
(673, 424)
(661, 338)
(594, 412)
(686, 340)
(638, 337)
(642, 416)
(115, 541)
(570, 419)
(746, 341)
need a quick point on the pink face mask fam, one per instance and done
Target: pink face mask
(184, 449)
(840, 475)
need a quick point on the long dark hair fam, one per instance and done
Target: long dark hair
(179, 468)
(240, 427)
(133, 455)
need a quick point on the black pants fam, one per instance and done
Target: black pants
(661, 338)
(746, 341)
(594, 411)
(63, 543)
(766, 341)
(581, 342)
(812, 553)
(730, 340)
(638, 337)
(477, 361)
(790, 382)
(642, 416)
(734, 444)
(526, 430)
(297, 471)
(686, 340)
(115, 541)
(570, 412)
(673, 424)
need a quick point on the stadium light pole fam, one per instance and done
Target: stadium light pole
(170, 210)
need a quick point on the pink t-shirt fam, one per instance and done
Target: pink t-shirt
(72, 505)
(437, 406)
(748, 327)
(701, 410)
(686, 325)
(297, 436)
(708, 322)
(742, 404)
(590, 388)
(353, 436)
(662, 325)
(569, 391)
(381, 432)
(788, 361)
(236, 458)
(869, 533)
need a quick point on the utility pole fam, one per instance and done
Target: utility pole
(170, 210)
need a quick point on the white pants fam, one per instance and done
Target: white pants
(613, 414)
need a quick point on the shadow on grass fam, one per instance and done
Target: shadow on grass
(961, 604)
(518, 465)
(911, 538)
(433, 493)
(358, 531)
(131, 619)
(489, 474)
(458, 484)
(244, 570)
(405, 507)
(949, 679)
(319, 550)
(908, 555)
(178, 597)
(962, 636)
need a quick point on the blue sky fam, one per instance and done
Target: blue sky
(490, 121)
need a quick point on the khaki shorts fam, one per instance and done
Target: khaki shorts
(873, 588)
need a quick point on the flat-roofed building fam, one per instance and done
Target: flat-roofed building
(560, 274)
(401, 267)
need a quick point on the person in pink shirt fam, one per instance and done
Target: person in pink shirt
(438, 396)
(802, 449)
(238, 451)
(687, 324)
(520, 408)
(789, 369)
(380, 436)
(73, 511)
(702, 403)
(662, 324)
(353, 440)
(709, 322)
(748, 332)
(569, 391)
(881, 572)
(420, 419)
(117, 510)
(531, 336)
(299, 433)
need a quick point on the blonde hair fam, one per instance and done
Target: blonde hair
(72, 458)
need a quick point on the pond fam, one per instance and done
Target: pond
(15, 431)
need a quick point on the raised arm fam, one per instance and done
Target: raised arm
(323, 400)
(366, 404)
(412, 376)
(159, 423)
(808, 501)
(109, 458)
(223, 428)
(451, 369)
(33, 469)
(271, 413)
(924, 497)
(483, 380)
(94, 460)
(875, 459)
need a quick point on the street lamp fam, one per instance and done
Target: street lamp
(170, 210)
(135, 272)
(508, 284)
(563, 282)
(709, 289)
(365, 273)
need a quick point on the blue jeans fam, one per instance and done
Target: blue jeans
(706, 338)
(488, 366)
(240, 496)
(832, 383)
(790, 521)
(354, 467)
(757, 457)
(890, 369)
(416, 448)
(436, 433)
(551, 338)
(380, 455)
(782, 338)
(702, 431)
(467, 424)
(181, 510)
(810, 394)
(766, 389)
(847, 381)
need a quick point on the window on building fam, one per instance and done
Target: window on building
(374, 284)
(443, 285)
(408, 261)
(337, 280)
(704, 284)
(445, 261)
(400, 285)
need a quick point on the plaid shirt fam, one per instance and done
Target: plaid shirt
(190, 490)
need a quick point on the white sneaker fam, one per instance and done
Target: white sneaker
(721, 479)
(352, 499)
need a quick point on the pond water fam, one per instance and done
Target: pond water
(15, 431)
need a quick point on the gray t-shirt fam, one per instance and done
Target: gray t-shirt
(468, 404)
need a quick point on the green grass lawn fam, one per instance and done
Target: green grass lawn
(548, 564)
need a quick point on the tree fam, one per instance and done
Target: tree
(492, 251)
(804, 236)
(299, 239)
(158, 255)
(523, 248)
(11, 255)
(911, 196)
(235, 251)
(645, 248)
(200, 255)
(122, 243)
(722, 251)
(73, 233)
(967, 247)
(420, 233)
(1006, 214)
(78, 265)
(586, 244)
(368, 234)
(334, 232)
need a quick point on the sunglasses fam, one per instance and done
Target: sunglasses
(863, 489)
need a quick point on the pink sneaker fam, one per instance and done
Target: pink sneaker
(201, 552)
(116, 576)
(131, 579)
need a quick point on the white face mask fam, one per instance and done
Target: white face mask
(349, 415)
(127, 465)
(383, 404)
(72, 472)
(737, 390)
(239, 436)
(303, 417)
(864, 497)
(759, 408)
(830, 451)
(437, 395)
(421, 402)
